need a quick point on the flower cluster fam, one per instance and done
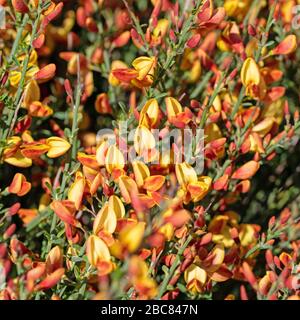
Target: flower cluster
(86, 215)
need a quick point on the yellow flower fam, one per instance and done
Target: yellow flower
(76, 190)
(161, 28)
(143, 140)
(32, 69)
(114, 159)
(116, 206)
(97, 251)
(149, 114)
(145, 66)
(141, 172)
(139, 276)
(173, 107)
(237, 8)
(57, 147)
(200, 188)
(116, 64)
(252, 79)
(195, 277)
(106, 220)
(250, 74)
(185, 174)
(31, 93)
(132, 236)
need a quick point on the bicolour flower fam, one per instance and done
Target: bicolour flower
(57, 147)
(20, 186)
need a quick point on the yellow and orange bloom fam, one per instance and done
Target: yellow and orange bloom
(65, 210)
(201, 271)
(139, 277)
(144, 142)
(27, 215)
(113, 216)
(140, 76)
(98, 254)
(76, 190)
(251, 77)
(105, 220)
(149, 115)
(20, 186)
(287, 46)
(114, 159)
(144, 66)
(131, 237)
(57, 147)
(141, 172)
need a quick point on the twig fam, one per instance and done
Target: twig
(174, 266)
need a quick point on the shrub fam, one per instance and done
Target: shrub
(149, 150)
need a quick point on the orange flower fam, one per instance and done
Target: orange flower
(140, 279)
(33, 150)
(176, 115)
(200, 188)
(46, 73)
(102, 104)
(141, 76)
(154, 183)
(51, 280)
(27, 215)
(115, 65)
(287, 46)
(19, 185)
(122, 39)
(88, 160)
(12, 153)
(198, 273)
(65, 210)
(246, 171)
(38, 109)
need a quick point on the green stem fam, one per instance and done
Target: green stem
(18, 97)
(183, 37)
(74, 132)
(210, 102)
(238, 102)
(174, 266)
(18, 38)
